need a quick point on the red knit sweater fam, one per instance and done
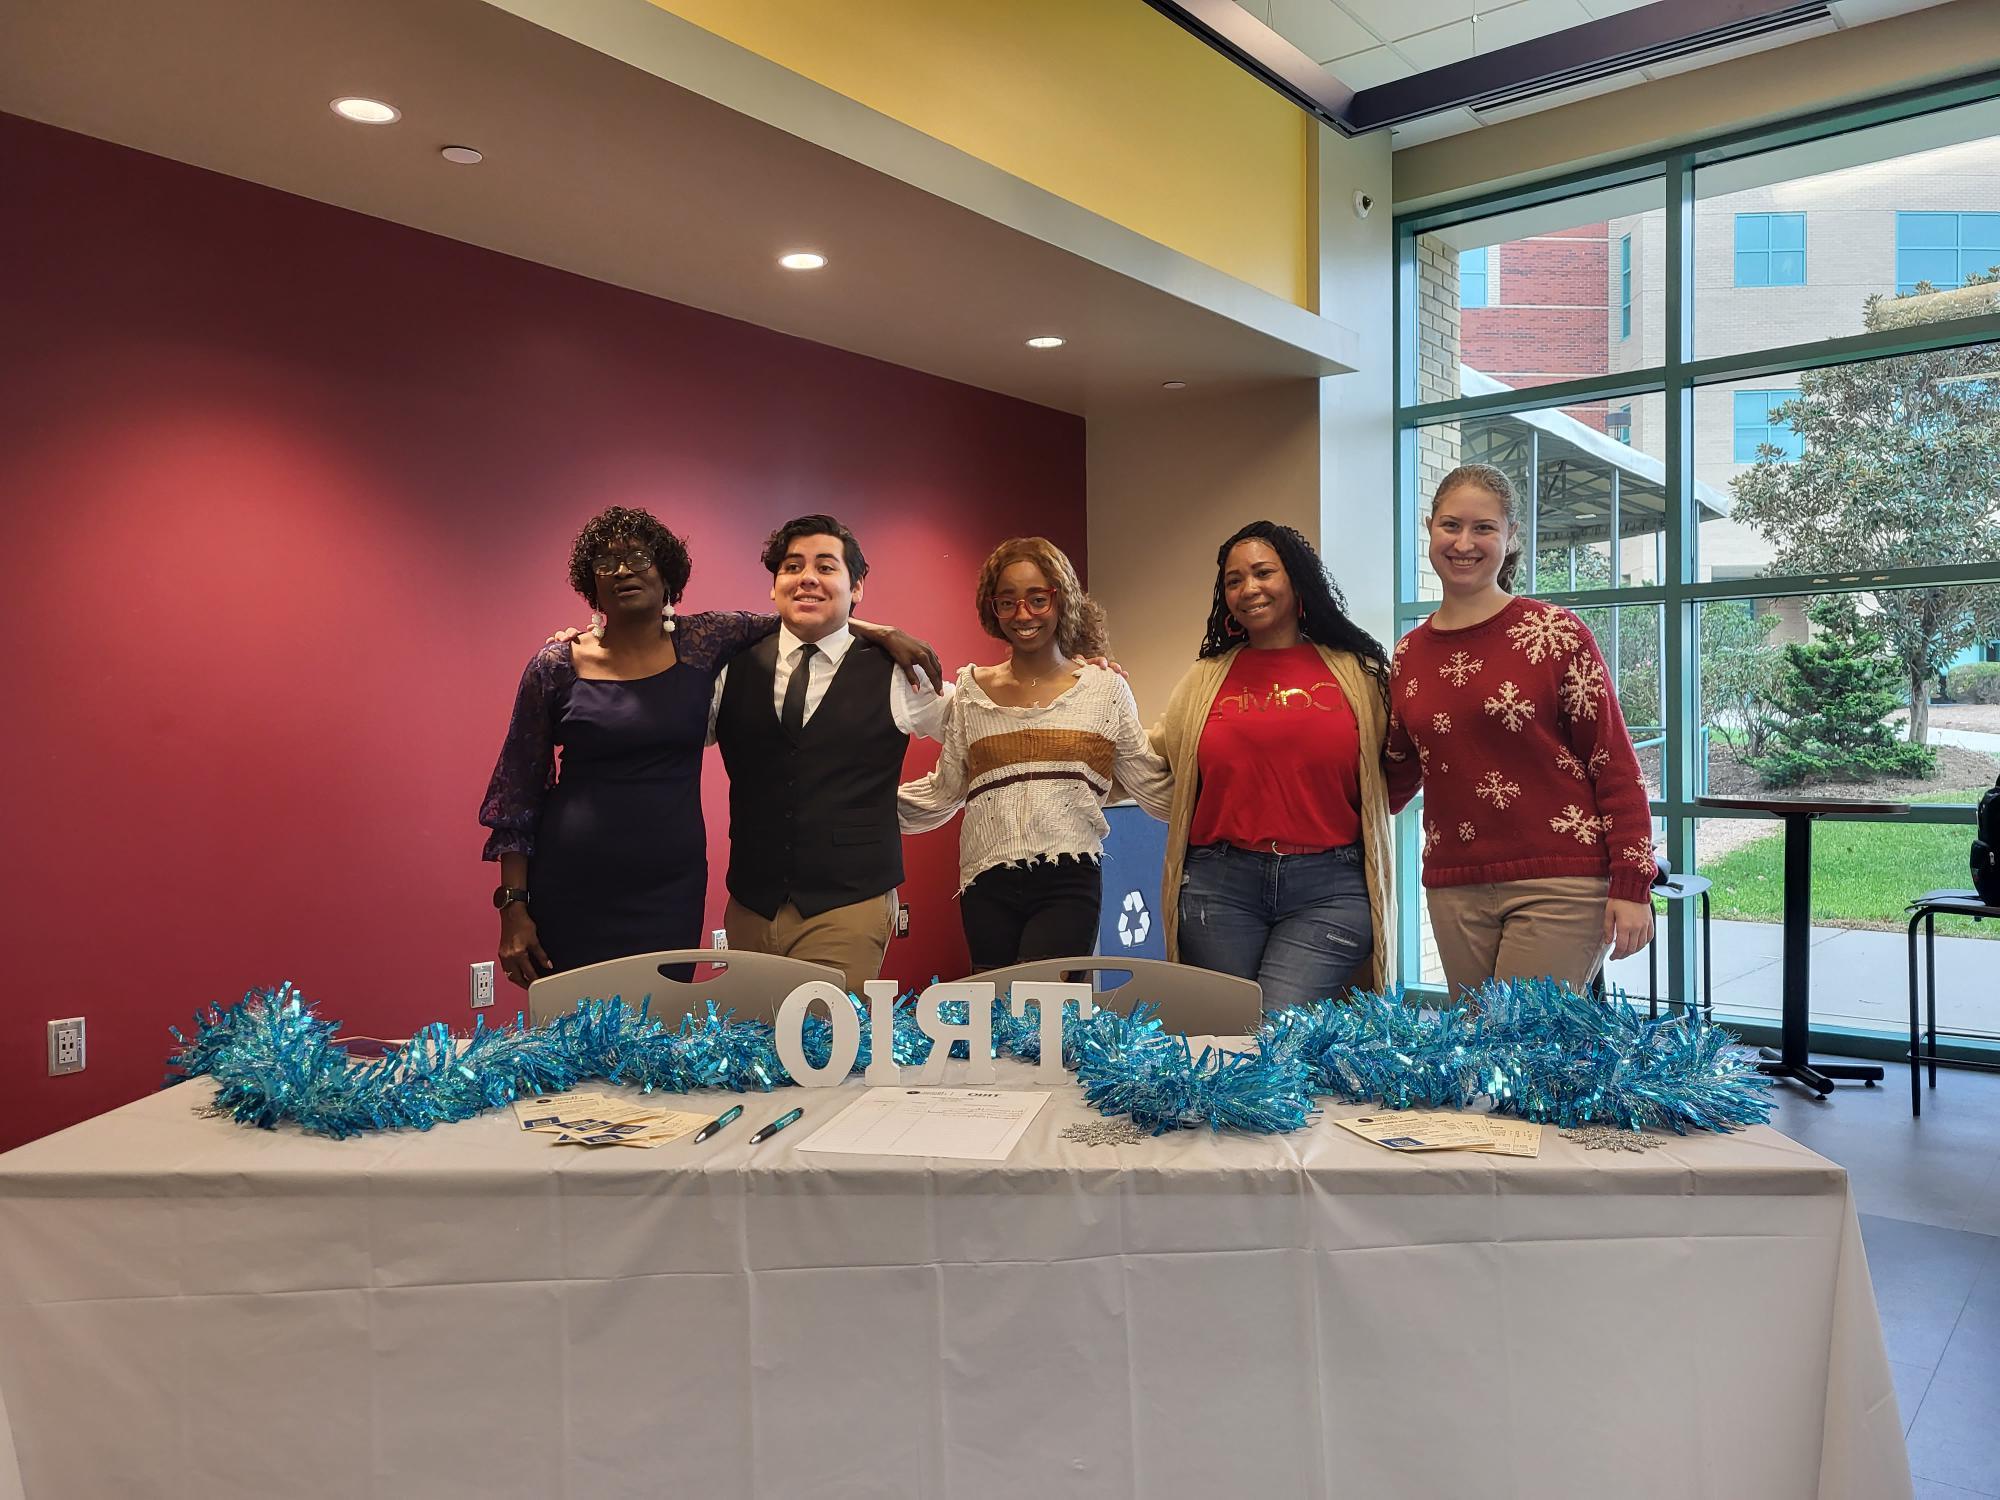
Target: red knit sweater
(1526, 764)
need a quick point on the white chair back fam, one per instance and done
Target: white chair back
(751, 984)
(1200, 1002)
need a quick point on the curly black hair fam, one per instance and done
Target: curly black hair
(1325, 620)
(618, 525)
(779, 542)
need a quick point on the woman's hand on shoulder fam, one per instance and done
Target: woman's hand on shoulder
(917, 658)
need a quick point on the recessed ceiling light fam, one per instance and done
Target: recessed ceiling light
(1045, 341)
(463, 156)
(366, 111)
(1173, 385)
(802, 260)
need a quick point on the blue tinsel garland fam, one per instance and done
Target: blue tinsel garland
(1535, 1049)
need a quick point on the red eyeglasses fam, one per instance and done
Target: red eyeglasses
(1035, 602)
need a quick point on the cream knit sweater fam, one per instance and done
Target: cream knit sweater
(1033, 781)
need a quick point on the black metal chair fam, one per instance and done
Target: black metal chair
(1925, 911)
(1671, 887)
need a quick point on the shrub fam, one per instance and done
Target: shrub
(1976, 682)
(1833, 697)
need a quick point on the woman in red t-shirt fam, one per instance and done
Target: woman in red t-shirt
(1278, 855)
(1538, 852)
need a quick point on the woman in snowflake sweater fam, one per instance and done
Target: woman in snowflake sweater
(1538, 852)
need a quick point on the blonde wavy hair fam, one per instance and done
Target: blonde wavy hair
(1081, 629)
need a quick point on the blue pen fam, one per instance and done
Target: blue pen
(775, 1126)
(717, 1123)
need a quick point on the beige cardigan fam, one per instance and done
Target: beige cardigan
(1178, 736)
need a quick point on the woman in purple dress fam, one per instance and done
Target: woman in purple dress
(607, 855)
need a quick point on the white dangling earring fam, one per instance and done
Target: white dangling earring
(597, 624)
(667, 619)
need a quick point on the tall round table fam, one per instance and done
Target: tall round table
(1792, 1059)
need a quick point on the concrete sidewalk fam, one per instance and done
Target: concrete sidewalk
(1859, 978)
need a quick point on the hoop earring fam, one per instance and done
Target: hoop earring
(1233, 626)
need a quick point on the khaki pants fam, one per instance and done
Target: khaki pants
(851, 939)
(1521, 929)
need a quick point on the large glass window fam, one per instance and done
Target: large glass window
(1855, 220)
(1790, 560)
(1520, 298)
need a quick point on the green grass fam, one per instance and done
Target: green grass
(1863, 873)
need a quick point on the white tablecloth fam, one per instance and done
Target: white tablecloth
(189, 1307)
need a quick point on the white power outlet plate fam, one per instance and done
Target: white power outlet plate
(482, 985)
(66, 1046)
(719, 938)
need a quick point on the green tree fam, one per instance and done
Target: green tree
(1740, 670)
(1900, 469)
(1834, 696)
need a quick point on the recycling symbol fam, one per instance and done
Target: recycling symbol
(1134, 921)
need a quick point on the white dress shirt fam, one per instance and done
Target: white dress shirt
(919, 711)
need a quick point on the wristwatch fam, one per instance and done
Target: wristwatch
(505, 895)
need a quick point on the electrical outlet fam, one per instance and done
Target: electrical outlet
(902, 921)
(66, 1046)
(482, 985)
(719, 938)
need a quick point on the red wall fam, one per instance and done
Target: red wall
(288, 495)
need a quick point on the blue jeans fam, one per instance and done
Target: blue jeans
(1298, 924)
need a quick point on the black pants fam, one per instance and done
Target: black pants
(1017, 913)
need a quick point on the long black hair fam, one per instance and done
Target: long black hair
(1324, 621)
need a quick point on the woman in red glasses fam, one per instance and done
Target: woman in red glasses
(1031, 748)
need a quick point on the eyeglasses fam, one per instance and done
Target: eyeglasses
(1036, 603)
(638, 560)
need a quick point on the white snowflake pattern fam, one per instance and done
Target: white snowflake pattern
(1461, 669)
(1432, 838)
(1401, 646)
(1581, 825)
(1467, 833)
(1424, 756)
(1443, 766)
(1441, 723)
(1513, 709)
(1582, 687)
(1642, 856)
(1495, 788)
(1599, 759)
(1544, 632)
(1566, 761)
(1410, 688)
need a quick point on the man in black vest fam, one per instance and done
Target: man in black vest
(813, 724)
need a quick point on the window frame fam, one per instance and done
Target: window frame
(1676, 375)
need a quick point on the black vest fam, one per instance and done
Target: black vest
(812, 819)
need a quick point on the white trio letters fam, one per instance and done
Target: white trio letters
(976, 1031)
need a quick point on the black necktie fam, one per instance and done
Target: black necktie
(793, 719)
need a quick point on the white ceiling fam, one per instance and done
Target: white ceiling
(604, 168)
(1364, 43)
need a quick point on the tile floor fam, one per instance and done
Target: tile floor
(1929, 1195)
